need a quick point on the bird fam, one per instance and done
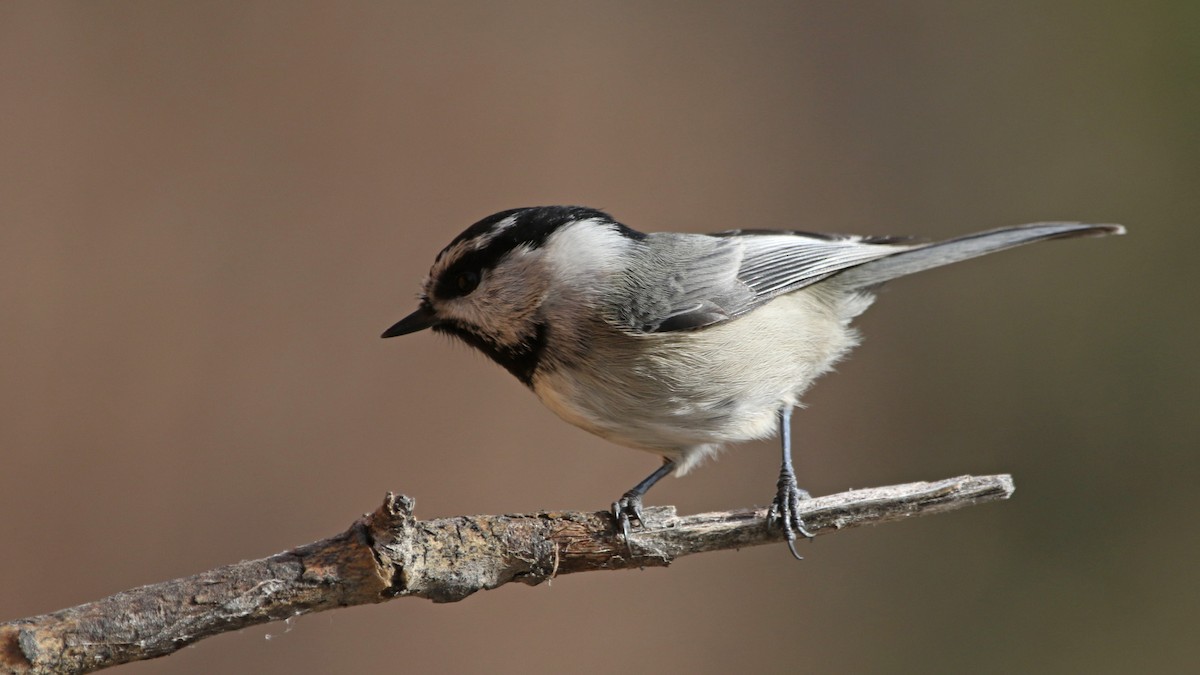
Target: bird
(678, 344)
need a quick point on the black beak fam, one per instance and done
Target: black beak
(421, 319)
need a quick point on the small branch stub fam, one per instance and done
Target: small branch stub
(389, 553)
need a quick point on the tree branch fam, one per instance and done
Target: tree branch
(388, 554)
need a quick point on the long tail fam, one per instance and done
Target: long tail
(923, 257)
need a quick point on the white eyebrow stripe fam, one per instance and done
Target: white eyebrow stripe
(495, 230)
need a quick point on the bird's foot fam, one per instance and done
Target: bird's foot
(626, 509)
(784, 511)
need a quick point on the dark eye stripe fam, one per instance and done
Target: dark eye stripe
(456, 282)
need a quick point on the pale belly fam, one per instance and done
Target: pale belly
(684, 395)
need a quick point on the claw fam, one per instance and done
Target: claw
(621, 518)
(784, 512)
(630, 504)
(791, 544)
(625, 509)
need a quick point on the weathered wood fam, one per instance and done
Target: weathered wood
(389, 553)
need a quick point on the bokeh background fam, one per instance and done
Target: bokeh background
(209, 211)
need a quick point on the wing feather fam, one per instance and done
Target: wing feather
(689, 281)
(701, 280)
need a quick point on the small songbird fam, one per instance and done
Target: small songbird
(676, 344)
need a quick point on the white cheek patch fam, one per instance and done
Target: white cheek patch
(586, 248)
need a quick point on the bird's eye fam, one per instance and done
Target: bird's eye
(466, 282)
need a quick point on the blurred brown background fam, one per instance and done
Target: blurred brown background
(209, 211)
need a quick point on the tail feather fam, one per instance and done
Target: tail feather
(940, 253)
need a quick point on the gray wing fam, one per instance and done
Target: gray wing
(689, 281)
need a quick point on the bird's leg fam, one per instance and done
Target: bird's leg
(629, 506)
(784, 509)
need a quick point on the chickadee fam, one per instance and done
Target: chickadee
(675, 344)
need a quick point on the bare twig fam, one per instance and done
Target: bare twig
(389, 553)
